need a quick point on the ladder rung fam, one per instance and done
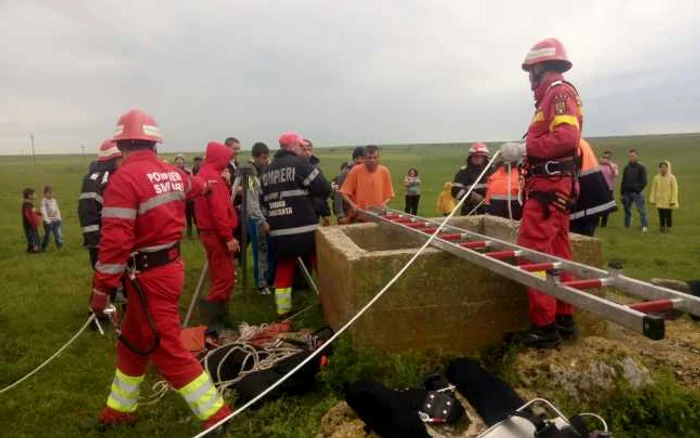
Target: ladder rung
(501, 255)
(415, 225)
(403, 220)
(428, 230)
(534, 267)
(475, 244)
(591, 283)
(653, 306)
(392, 216)
(450, 236)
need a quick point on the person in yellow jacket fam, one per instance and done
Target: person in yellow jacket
(445, 201)
(664, 194)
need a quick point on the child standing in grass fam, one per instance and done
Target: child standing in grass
(664, 194)
(52, 219)
(30, 221)
(445, 201)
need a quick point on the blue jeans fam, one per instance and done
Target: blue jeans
(55, 228)
(638, 200)
(263, 264)
(32, 235)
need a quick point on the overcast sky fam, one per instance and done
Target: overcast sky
(345, 73)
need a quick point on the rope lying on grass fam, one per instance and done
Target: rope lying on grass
(357, 316)
(47, 361)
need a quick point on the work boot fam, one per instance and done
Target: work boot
(110, 418)
(222, 313)
(567, 327)
(208, 314)
(538, 337)
(221, 430)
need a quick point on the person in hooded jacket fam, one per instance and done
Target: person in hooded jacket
(466, 178)
(288, 185)
(664, 194)
(445, 202)
(217, 219)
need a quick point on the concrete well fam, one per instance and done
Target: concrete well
(441, 302)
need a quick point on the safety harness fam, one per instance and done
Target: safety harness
(139, 262)
(566, 166)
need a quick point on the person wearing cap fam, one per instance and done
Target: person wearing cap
(467, 176)
(109, 159)
(288, 185)
(340, 206)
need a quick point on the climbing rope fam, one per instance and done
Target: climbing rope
(47, 361)
(357, 316)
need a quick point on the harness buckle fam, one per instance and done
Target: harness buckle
(550, 172)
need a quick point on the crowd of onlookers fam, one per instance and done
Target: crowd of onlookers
(370, 184)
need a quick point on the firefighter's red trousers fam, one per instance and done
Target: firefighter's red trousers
(284, 282)
(550, 236)
(222, 270)
(162, 287)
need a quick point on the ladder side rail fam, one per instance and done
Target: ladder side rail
(687, 303)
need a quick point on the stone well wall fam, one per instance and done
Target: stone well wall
(440, 302)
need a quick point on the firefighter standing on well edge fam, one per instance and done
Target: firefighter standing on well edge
(551, 155)
(142, 222)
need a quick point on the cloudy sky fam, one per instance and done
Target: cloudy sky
(339, 72)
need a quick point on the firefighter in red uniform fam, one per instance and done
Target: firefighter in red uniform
(551, 165)
(143, 218)
(217, 221)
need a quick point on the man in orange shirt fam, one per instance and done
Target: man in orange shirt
(369, 184)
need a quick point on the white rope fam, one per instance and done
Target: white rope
(510, 208)
(477, 207)
(47, 361)
(357, 315)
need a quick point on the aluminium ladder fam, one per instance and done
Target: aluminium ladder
(541, 271)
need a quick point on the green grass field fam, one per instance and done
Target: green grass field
(44, 297)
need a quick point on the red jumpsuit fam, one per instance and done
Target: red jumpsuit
(144, 211)
(554, 134)
(216, 219)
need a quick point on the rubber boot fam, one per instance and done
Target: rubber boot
(110, 418)
(222, 313)
(567, 327)
(538, 337)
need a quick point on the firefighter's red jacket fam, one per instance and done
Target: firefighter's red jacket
(215, 212)
(555, 130)
(144, 211)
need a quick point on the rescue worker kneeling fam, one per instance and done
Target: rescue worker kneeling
(289, 184)
(503, 194)
(217, 219)
(143, 219)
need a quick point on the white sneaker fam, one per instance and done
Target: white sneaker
(645, 229)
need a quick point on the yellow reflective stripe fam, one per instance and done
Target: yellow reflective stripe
(202, 396)
(124, 395)
(564, 120)
(539, 117)
(283, 300)
(540, 274)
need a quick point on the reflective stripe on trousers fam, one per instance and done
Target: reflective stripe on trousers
(125, 392)
(202, 396)
(283, 300)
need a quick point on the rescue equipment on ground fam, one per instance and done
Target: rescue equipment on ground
(541, 271)
(313, 355)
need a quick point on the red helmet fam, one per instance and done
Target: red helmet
(108, 150)
(479, 149)
(550, 49)
(137, 125)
